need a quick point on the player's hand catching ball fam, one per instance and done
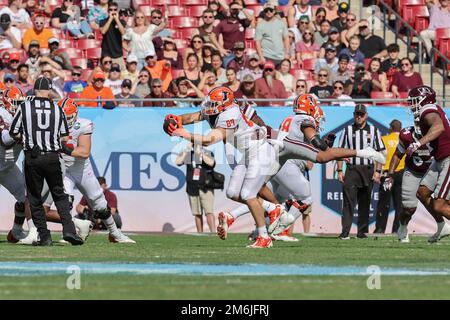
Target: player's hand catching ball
(171, 123)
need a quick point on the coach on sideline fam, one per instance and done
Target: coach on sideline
(360, 174)
(42, 126)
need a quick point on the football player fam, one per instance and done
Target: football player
(79, 173)
(11, 176)
(416, 165)
(435, 129)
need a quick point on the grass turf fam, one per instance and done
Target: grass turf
(384, 252)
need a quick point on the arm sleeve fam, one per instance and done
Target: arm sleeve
(83, 201)
(16, 125)
(343, 139)
(379, 145)
(64, 128)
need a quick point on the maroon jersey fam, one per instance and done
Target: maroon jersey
(421, 158)
(440, 147)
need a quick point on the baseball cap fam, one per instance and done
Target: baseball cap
(132, 58)
(127, 83)
(269, 65)
(8, 76)
(98, 75)
(115, 67)
(333, 30)
(239, 45)
(248, 78)
(5, 18)
(34, 43)
(253, 56)
(360, 108)
(330, 47)
(150, 52)
(53, 40)
(343, 7)
(344, 57)
(43, 83)
(14, 56)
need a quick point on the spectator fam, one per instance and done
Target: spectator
(11, 36)
(173, 88)
(247, 88)
(330, 61)
(114, 81)
(186, 90)
(127, 15)
(307, 48)
(240, 61)
(245, 13)
(196, 48)
(303, 24)
(285, 76)
(340, 22)
(207, 53)
(86, 212)
(33, 7)
(12, 61)
(98, 13)
(349, 23)
(24, 81)
(112, 30)
(331, 9)
(233, 83)
(338, 93)
(104, 67)
(158, 69)
(372, 46)
(229, 31)
(9, 80)
(268, 87)
(301, 87)
(208, 82)
(334, 38)
(318, 19)
(439, 18)
(360, 174)
(321, 36)
(406, 79)
(300, 8)
(131, 72)
(53, 44)
(342, 73)
(170, 53)
(353, 52)
(253, 68)
(68, 18)
(392, 65)
(214, 6)
(292, 45)
(379, 79)
(158, 21)
(141, 88)
(76, 85)
(18, 16)
(157, 93)
(53, 71)
(37, 32)
(138, 39)
(125, 93)
(97, 93)
(216, 63)
(33, 59)
(199, 163)
(362, 83)
(322, 90)
(205, 30)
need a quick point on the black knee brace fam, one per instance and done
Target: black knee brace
(19, 209)
(103, 214)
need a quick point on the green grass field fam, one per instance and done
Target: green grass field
(176, 248)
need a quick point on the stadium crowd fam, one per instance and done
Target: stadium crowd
(141, 49)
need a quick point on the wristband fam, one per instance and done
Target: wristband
(6, 138)
(66, 149)
(339, 170)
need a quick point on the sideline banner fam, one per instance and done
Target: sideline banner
(136, 157)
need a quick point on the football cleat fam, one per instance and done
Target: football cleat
(402, 233)
(83, 227)
(30, 238)
(405, 239)
(261, 243)
(252, 235)
(120, 238)
(444, 232)
(284, 236)
(285, 221)
(15, 236)
(274, 217)
(225, 221)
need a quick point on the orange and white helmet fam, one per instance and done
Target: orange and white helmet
(305, 104)
(217, 101)
(11, 98)
(319, 117)
(70, 109)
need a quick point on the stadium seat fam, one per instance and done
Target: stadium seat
(181, 43)
(143, 2)
(441, 33)
(54, 2)
(309, 64)
(81, 62)
(164, 2)
(176, 73)
(196, 11)
(94, 53)
(183, 22)
(85, 73)
(421, 18)
(73, 95)
(84, 44)
(147, 10)
(382, 95)
(72, 53)
(403, 4)
(257, 8)
(65, 43)
(186, 33)
(302, 74)
(366, 63)
(249, 33)
(250, 44)
(177, 11)
(250, 51)
(193, 2)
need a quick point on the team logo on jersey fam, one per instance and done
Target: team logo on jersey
(76, 126)
(331, 195)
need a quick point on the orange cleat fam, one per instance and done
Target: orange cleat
(274, 218)
(284, 236)
(225, 221)
(261, 243)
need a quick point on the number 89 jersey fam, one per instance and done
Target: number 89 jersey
(80, 127)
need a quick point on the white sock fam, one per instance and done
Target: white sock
(239, 211)
(262, 231)
(31, 224)
(111, 225)
(268, 206)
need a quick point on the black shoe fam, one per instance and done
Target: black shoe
(378, 231)
(344, 236)
(73, 239)
(47, 242)
(361, 236)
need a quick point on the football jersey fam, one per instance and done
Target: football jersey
(80, 127)
(440, 147)
(421, 159)
(245, 135)
(8, 156)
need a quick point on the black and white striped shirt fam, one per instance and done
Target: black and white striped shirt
(41, 122)
(360, 138)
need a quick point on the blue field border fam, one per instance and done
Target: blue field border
(60, 268)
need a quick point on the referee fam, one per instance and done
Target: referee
(41, 124)
(360, 174)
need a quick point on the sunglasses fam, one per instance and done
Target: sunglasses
(99, 79)
(115, 70)
(338, 88)
(197, 41)
(156, 17)
(140, 17)
(68, 0)
(268, 69)
(269, 10)
(156, 86)
(405, 64)
(9, 80)
(126, 86)
(14, 61)
(359, 114)
(301, 86)
(143, 76)
(208, 17)
(76, 74)
(351, 19)
(107, 62)
(38, 23)
(307, 33)
(304, 22)
(149, 57)
(112, 10)
(323, 75)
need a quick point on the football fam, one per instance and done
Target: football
(167, 123)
